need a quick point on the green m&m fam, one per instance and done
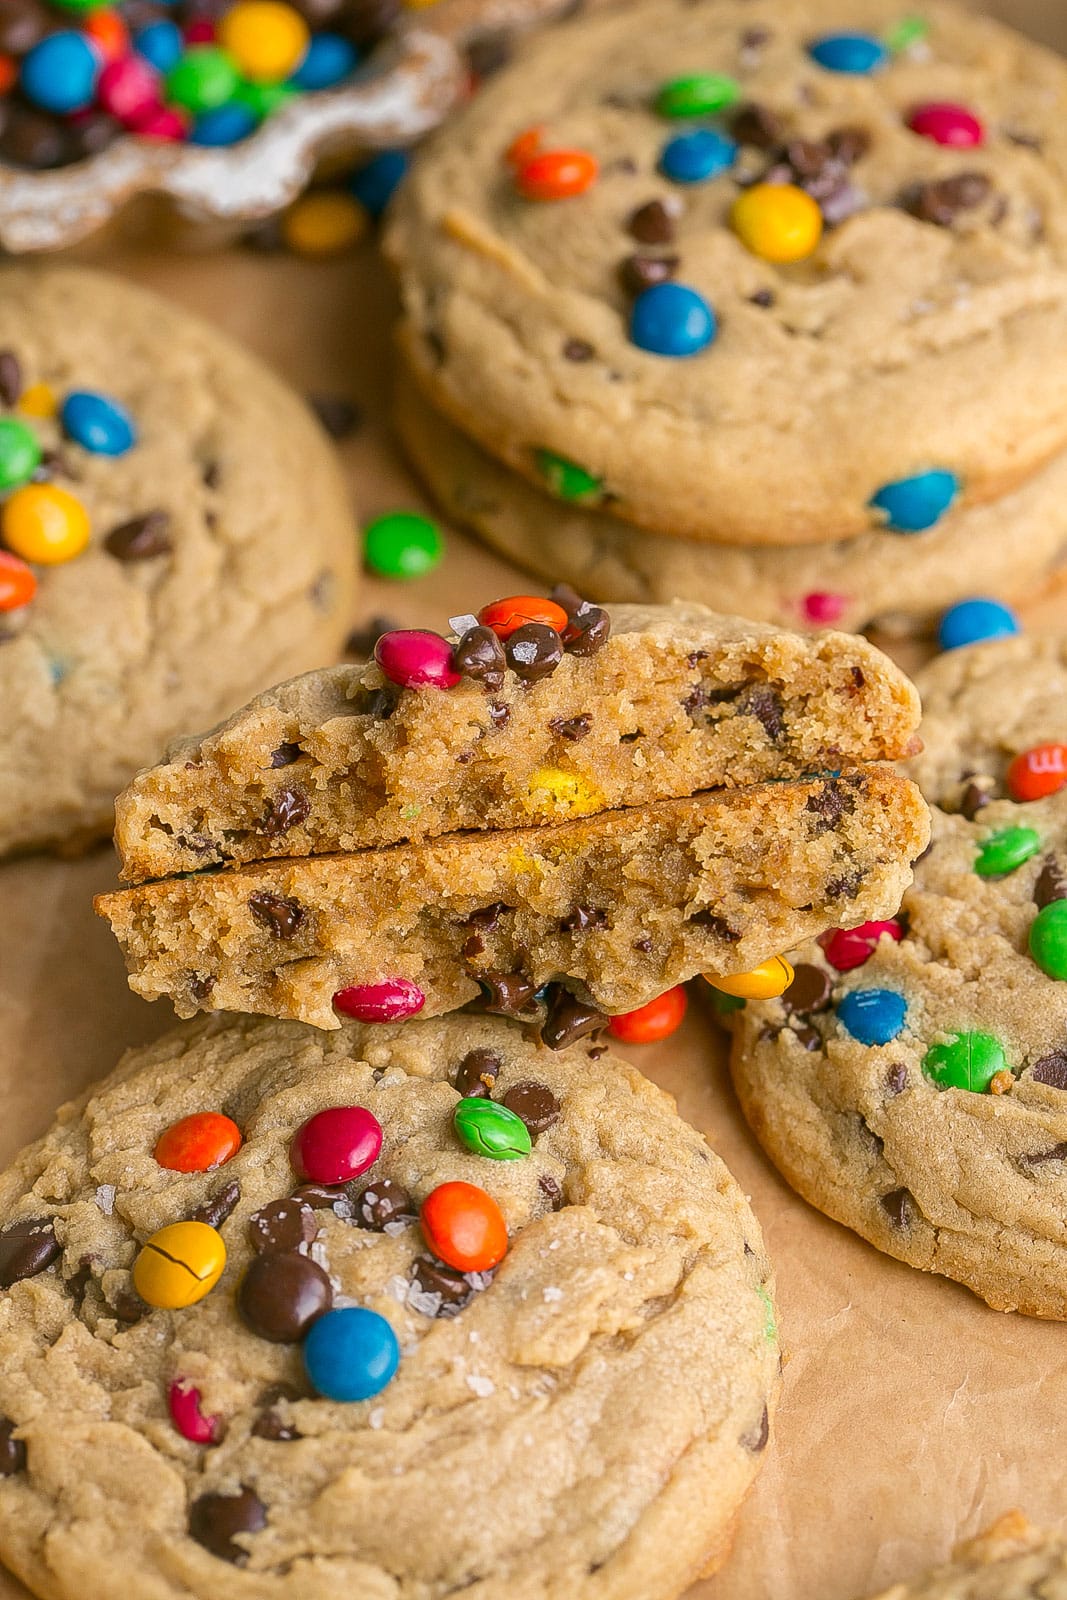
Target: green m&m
(701, 94)
(1006, 850)
(491, 1130)
(202, 79)
(966, 1061)
(402, 544)
(566, 478)
(20, 453)
(1048, 939)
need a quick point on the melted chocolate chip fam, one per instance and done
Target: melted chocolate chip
(567, 1018)
(12, 1450)
(974, 797)
(589, 631)
(551, 1190)
(1042, 1158)
(452, 1290)
(320, 1196)
(338, 415)
(128, 1307)
(765, 705)
(477, 1073)
(200, 985)
(641, 271)
(217, 1520)
(10, 377)
(534, 1103)
(829, 804)
(473, 947)
(27, 1247)
(642, 945)
(845, 887)
(499, 715)
(898, 1207)
(383, 1203)
(282, 1225)
(271, 1425)
(285, 755)
(762, 297)
(285, 810)
(942, 202)
(506, 993)
(807, 1037)
(1051, 1069)
(715, 924)
(220, 1207)
(896, 1078)
(583, 917)
(488, 917)
(534, 651)
(572, 728)
(142, 538)
(809, 991)
(849, 144)
(578, 350)
(1051, 883)
(480, 655)
(757, 125)
(653, 223)
(281, 1295)
(756, 1439)
(280, 916)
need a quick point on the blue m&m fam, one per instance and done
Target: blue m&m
(330, 58)
(375, 184)
(873, 1016)
(160, 43)
(59, 74)
(97, 423)
(855, 53)
(351, 1354)
(911, 505)
(223, 125)
(694, 157)
(971, 621)
(672, 320)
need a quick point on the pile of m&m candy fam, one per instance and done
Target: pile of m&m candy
(80, 73)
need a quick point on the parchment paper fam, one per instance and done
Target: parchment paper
(911, 1414)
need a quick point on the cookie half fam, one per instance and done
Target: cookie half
(220, 553)
(193, 1450)
(1011, 1560)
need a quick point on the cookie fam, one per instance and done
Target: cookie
(984, 708)
(619, 708)
(620, 906)
(819, 291)
(1009, 1561)
(221, 1449)
(177, 537)
(912, 1083)
(1010, 549)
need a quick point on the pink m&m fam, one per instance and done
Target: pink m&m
(183, 1403)
(388, 1001)
(128, 88)
(160, 122)
(823, 606)
(416, 659)
(336, 1144)
(947, 123)
(850, 947)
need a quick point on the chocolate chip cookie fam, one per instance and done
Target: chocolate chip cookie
(279, 1364)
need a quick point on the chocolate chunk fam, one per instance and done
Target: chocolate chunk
(286, 810)
(383, 1203)
(361, 641)
(499, 715)
(567, 1018)
(942, 202)
(534, 651)
(480, 655)
(588, 632)
(653, 223)
(10, 377)
(320, 1196)
(578, 350)
(896, 1078)
(141, 538)
(216, 1521)
(488, 917)
(1051, 883)
(845, 887)
(506, 993)
(200, 985)
(487, 54)
(282, 1295)
(12, 1450)
(221, 1206)
(128, 1307)
(551, 1190)
(898, 1207)
(339, 416)
(26, 1248)
(583, 917)
(757, 125)
(974, 797)
(271, 1425)
(756, 1439)
(829, 803)
(282, 1225)
(1041, 1158)
(765, 705)
(285, 755)
(849, 144)
(534, 1103)
(809, 991)
(1051, 1069)
(762, 297)
(640, 271)
(279, 915)
(473, 947)
(452, 1290)
(807, 1037)
(477, 1073)
(716, 924)
(572, 728)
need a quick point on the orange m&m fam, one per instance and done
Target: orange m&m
(464, 1227)
(198, 1143)
(8, 73)
(108, 32)
(1038, 772)
(648, 1024)
(524, 146)
(17, 583)
(556, 175)
(505, 617)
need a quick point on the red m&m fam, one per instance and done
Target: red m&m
(847, 948)
(648, 1024)
(556, 175)
(389, 1001)
(183, 1403)
(414, 658)
(336, 1144)
(947, 123)
(198, 1143)
(1038, 772)
(464, 1227)
(505, 617)
(17, 582)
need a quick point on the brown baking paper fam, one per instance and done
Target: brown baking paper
(911, 1414)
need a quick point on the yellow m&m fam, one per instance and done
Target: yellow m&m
(179, 1265)
(324, 224)
(777, 221)
(765, 982)
(266, 39)
(44, 524)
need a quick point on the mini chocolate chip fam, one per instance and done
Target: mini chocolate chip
(216, 1520)
(568, 1019)
(12, 1450)
(717, 925)
(211, 474)
(10, 377)
(534, 1103)
(279, 915)
(506, 993)
(128, 1307)
(534, 651)
(1051, 1069)
(809, 991)
(282, 1225)
(583, 917)
(829, 804)
(765, 705)
(807, 1037)
(361, 641)
(756, 1439)
(477, 1073)
(762, 297)
(271, 1425)
(640, 272)
(845, 887)
(320, 1196)
(757, 125)
(142, 538)
(338, 415)
(285, 810)
(285, 755)
(383, 1203)
(282, 1295)
(480, 655)
(551, 1190)
(769, 1032)
(653, 223)
(26, 1248)
(572, 728)
(942, 201)
(753, 40)
(453, 1289)
(643, 945)
(499, 715)
(849, 144)
(220, 1207)
(589, 631)
(578, 350)
(897, 1206)
(896, 1078)
(200, 985)
(1051, 883)
(1041, 1158)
